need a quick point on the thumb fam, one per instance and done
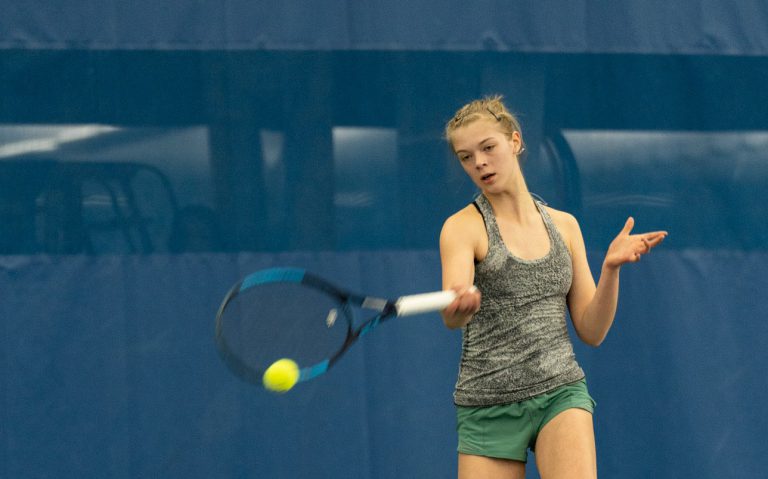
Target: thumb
(628, 225)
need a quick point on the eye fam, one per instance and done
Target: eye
(489, 147)
(464, 158)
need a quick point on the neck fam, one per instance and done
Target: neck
(517, 206)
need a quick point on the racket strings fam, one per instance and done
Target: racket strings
(283, 320)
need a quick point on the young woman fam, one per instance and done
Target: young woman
(516, 265)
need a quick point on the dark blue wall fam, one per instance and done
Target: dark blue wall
(149, 159)
(579, 26)
(110, 371)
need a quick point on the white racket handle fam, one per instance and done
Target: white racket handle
(424, 303)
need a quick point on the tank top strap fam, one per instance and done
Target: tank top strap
(491, 227)
(557, 240)
(545, 216)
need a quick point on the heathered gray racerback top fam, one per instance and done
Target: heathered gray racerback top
(517, 346)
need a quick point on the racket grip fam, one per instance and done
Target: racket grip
(424, 303)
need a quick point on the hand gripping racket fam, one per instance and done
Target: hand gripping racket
(289, 313)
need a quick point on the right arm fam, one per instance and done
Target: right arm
(458, 246)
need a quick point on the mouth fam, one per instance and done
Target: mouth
(487, 177)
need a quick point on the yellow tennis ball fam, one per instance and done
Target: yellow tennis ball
(282, 375)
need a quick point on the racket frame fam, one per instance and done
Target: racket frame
(384, 308)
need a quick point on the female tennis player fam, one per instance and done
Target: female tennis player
(519, 386)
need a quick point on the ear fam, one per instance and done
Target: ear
(517, 142)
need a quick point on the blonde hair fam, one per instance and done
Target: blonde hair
(490, 107)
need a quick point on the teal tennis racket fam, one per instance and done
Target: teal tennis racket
(288, 313)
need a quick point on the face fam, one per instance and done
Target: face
(487, 155)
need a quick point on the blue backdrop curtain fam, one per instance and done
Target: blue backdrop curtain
(152, 154)
(701, 27)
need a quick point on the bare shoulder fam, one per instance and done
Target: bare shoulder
(566, 224)
(467, 218)
(466, 225)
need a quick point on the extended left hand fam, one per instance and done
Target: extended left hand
(628, 248)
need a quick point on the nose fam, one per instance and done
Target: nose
(480, 160)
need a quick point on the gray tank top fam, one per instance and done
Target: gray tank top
(517, 346)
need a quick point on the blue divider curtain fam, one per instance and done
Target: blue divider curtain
(110, 371)
(152, 155)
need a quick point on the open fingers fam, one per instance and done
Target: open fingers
(654, 238)
(628, 225)
(646, 244)
(648, 241)
(629, 248)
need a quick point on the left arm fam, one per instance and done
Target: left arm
(593, 307)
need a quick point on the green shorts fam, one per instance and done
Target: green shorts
(508, 430)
